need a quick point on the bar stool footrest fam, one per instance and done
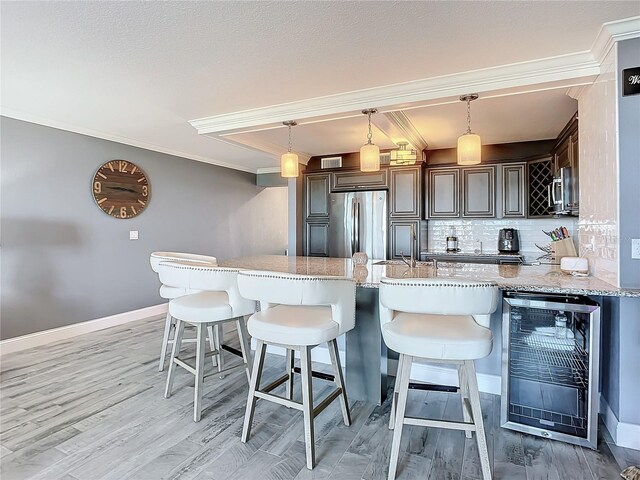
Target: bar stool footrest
(425, 422)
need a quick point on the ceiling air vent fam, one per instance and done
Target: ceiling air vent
(331, 162)
(385, 158)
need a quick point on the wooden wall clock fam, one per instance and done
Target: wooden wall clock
(121, 189)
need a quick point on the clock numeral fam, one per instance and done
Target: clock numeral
(145, 190)
(97, 187)
(123, 212)
(122, 167)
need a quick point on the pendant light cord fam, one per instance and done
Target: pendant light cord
(468, 115)
(289, 138)
(369, 135)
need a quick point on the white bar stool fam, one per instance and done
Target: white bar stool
(298, 312)
(217, 301)
(169, 292)
(443, 321)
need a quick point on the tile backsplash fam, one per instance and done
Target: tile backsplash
(470, 230)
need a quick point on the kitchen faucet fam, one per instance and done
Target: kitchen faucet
(412, 252)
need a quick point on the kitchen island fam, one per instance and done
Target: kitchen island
(367, 359)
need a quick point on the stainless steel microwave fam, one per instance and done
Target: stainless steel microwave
(561, 192)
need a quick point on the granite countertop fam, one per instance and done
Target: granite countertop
(538, 278)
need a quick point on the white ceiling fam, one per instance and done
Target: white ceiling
(138, 71)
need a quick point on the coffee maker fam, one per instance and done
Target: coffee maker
(508, 240)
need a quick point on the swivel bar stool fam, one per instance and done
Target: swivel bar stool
(442, 321)
(217, 301)
(169, 292)
(298, 312)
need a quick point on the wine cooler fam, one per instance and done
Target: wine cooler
(550, 366)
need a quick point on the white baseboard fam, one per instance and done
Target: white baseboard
(624, 434)
(17, 344)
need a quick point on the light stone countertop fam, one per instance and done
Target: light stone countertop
(540, 278)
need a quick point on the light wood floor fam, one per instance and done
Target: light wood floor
(93, 408)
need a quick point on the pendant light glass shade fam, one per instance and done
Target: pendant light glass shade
(369, 158)
(289, 167)
(469, 149)
(369, 152)
(469, 145)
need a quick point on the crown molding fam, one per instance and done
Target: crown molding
(612, 32)
(400, 120)
(268, 170)
(576, 92)
(257, 144)
(400, 95)
(46, 122)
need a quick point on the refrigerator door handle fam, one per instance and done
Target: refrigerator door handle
(356, 227)
(353, 227)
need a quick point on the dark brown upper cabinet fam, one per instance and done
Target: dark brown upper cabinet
(317, 196)
(443, 193)
(357, 180)
(405, 192)
(478, 192)
(514, 196)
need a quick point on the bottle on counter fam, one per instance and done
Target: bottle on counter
(452, 240)
(561, 325)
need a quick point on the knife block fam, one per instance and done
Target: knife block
(563, 248)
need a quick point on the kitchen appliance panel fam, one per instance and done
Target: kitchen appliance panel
(560, 191)
(358, 223)
(550, 363)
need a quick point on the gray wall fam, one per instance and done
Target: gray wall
(64, 261)
(629, 176)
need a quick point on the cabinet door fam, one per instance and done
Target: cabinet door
(575, 173)
(317, 239)
(513, 190)
(478, 192)
(400, 238)
(406, 192)
(317, 195)
(355, 180)
(563, 155)
(444, 193)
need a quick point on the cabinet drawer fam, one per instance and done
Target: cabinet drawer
(356, 180)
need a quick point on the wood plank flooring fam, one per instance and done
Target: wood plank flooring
(93, 408)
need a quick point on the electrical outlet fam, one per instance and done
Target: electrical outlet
(133, 234)
(635, 248)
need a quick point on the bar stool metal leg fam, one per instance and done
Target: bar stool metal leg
(168, 325)
(307, 405)
(339, 380)
(177, 343)
(474, 397)
(464, 396)
(256, 374)
(243, 335)
(200, 345)
(399, 421)
(212, 344)
(396, 389)
(289, 359)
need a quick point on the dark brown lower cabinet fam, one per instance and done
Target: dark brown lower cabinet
(317, 239)
(400, 238)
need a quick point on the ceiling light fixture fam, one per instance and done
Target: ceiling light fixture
(289, 161)
(403, 155)
(369, 152)
(469, 147)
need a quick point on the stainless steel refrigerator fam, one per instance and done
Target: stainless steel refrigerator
(358, 223)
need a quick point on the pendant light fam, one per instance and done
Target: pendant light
(469, 148)
(369, 152)
(403, 155)
(289, 161)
